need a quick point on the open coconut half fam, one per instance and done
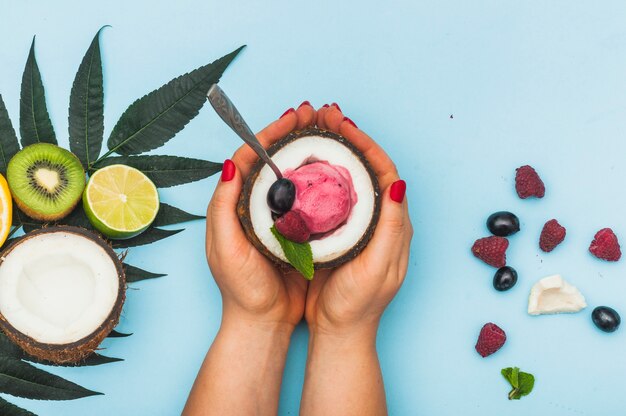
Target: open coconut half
(61, 293)
(300, 148)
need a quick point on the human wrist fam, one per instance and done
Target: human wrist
(244, 366)
(361, 334)
(256, 343)
(255, 325)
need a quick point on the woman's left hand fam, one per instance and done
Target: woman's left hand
(252, 287)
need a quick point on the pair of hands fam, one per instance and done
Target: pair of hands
(349, 298)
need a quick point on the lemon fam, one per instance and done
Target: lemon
(120, 201)
(6, 210)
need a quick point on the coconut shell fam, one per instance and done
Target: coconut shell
(76, 351)
(243, 206)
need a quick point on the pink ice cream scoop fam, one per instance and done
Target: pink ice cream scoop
(324, 195)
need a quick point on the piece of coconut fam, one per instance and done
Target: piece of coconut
(553, 294)
(61, 293)
(344, 243)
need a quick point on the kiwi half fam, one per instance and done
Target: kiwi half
(46, 181)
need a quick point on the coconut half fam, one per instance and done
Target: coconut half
(342, 244)
(61, 293)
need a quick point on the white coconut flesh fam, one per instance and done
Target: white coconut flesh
(57, 287)
(293, 155)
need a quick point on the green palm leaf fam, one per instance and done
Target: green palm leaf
(117, 334)
(151, 235)
(9, 409)
(8, 140)
(35, 124)
(170, 215)
(86, 118)
(166, 171)
(135, 274)
(155, 118)
(21, 379)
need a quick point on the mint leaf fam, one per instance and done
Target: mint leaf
(521, 382)
(515, 377)
(508, 375)
(299, 255)
(526, 383)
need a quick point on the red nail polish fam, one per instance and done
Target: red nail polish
(397, 191)
(228, 170)
(304, 103)
(336, 106)
(325, 106)
(350, 121)
(291, 110)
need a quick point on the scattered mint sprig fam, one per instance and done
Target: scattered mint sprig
(299, 255)
(521, 382)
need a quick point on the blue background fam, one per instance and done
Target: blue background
(540, 83)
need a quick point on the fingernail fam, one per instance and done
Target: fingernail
(325, 106)
(228, 170)
(350, 121)
(397, 191)
(304, 103)
(336, 106)
(291, 110)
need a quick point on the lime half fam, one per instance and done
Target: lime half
(120, 201)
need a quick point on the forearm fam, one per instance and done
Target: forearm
(242, 372)
(343, 375)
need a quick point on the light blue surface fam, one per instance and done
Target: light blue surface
(541, 83)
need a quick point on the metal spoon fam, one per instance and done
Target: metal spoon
(231, 116)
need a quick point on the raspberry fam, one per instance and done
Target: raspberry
(605, 245)
(491, 250)
(552, 235)
(490, 339)
(292, 227)
(528, 183)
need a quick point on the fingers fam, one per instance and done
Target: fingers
(306, 115)
(245, 157)
(394, 231)
(332, 118)
(291, 120)
(222, 220)
(321, 113)
(383, 166)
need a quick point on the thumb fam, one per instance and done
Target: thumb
(394, 226)
(222, 219)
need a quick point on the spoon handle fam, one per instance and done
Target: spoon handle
(231, 116)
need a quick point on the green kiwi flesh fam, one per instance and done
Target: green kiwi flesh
(46, 181)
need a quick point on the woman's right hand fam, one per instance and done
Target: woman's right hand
(344, 305)
(354, 296)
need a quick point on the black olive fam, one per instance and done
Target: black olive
(605, 318)
(281, 195)
(505, 278)
(503, 223)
